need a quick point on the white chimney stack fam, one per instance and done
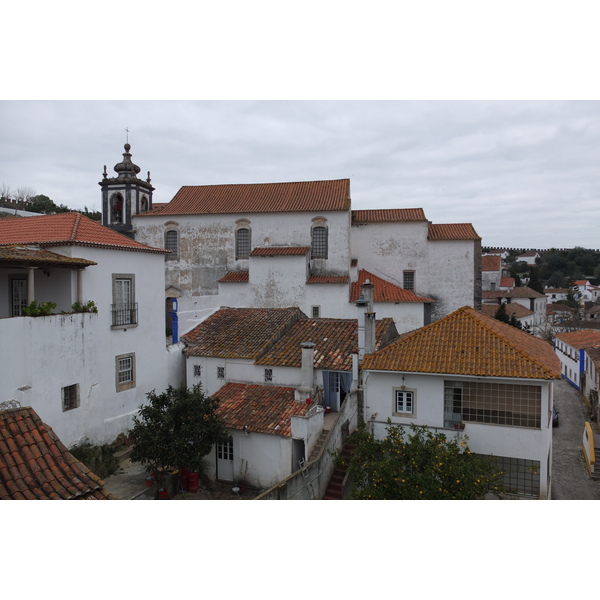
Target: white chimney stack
(306, 389)
(366, 321)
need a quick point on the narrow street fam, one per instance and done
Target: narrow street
(570, 479)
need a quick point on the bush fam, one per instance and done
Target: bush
(36, 309)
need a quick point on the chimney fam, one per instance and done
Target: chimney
(366, 321)
(306, 389)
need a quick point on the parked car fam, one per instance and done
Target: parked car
(554, 417)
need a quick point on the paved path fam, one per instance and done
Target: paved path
(570, 479)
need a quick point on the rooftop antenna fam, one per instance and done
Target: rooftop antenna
(127, 130)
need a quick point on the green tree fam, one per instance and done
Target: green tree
(501, 314)
(42, 204)
(534, 281)
(176, 429)
(423, 465)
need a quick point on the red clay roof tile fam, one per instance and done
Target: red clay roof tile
(491, 263)
(466, 342)
(383, 291)
(280, 251)
(29, 469)
(452, 231)
(391, 215)
(66, 229)
(582, 339)
(300, 196)
(260, 408)
(235, 277)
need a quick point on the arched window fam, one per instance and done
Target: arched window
(116, 203)
(171, 243)
(319, 242)
(144, 204)
(172, 239)
(242, 242)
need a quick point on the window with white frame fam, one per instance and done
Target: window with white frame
(124, 307)
(125, 371)
(70, 397)
(404, 402)
(225, 450)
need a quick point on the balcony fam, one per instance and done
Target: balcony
(124, 315)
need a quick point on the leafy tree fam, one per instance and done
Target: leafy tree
(176, 429)
(501, 314)
(42, 204)
(534, 281)
(421, 466)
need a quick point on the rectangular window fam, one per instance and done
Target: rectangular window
(220, 372)
(521, 476)
(171, 243)
(124, 307)
(492, 403)
(268, 375)
(319, 242)
(409, 280)
(70, 397)
(225, 451)
(197, 371)
(404, 402)
(316, 312)
(242, 244)
(125, 372)
(18, 296)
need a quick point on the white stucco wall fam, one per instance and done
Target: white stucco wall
(514, 442)
(49, 353)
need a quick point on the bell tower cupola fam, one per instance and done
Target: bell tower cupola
(125, 195)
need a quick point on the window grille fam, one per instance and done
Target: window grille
(319, 242)
(70, 397)
(242, 243)
(171, 243)
(197, 371)
(268, 375)
(220, 372)
(125, 372)
(409, 281)
(316, 312)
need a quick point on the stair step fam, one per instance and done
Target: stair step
(122, 455)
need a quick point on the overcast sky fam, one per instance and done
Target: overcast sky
(525, 173)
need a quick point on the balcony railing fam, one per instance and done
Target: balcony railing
(124, 314)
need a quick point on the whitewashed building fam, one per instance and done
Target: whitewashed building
(469, 374)
(293, 244)
(84, 373)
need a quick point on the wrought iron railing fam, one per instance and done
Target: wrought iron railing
(124, 314)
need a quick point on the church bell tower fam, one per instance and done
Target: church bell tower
(125, 195)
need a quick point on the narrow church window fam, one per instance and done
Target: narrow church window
(319, 242)
(242, 243)
(117, 208)
(171, 243)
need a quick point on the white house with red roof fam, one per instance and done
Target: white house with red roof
(468, 374)
(571, 348)
(84, 373)
(284, 381)
(298, 244)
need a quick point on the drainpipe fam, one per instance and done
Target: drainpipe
(174, 323)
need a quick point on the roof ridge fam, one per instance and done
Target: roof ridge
(483, 319)
(75, 228)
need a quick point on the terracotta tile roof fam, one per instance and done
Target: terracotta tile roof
(554, 308)
(260, 408)
(391, 215)
(491, 263)
(582, 339)
(466, 342)
(594, 354)
(328, 279)
(32, 256)
(452, 231)
(235, 277)
(280, 251)
(507, 282)
(67, 229)
(303, 196)
(335, 341)
(513, 308)
(517, 292)
(35, 464)
(240, 332)
(580, 282)
(383, 291)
